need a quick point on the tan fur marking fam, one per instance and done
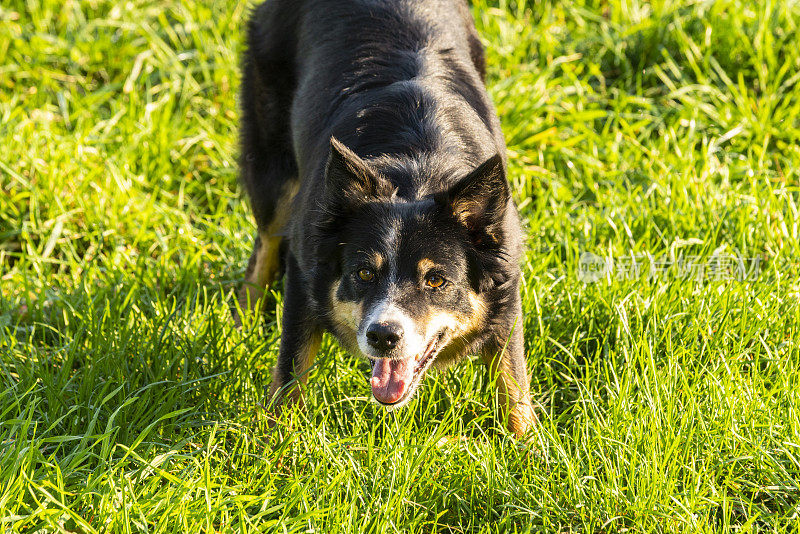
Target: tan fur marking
(294, 391)
(460, 325)
(438, 319)
(264, 269)
(376, 260)
(464, 210)
(264, 263)
(478, 312)
(467, 327)
(347, 316)
(514, 398)
(425, 265)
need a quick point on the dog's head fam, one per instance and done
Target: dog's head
(407, 281)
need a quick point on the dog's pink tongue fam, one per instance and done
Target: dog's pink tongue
(390, 378)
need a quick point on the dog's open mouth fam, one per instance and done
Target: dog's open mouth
(394, 381)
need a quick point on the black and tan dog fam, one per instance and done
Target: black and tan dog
(375, 167)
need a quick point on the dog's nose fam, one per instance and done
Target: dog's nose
(383, 337)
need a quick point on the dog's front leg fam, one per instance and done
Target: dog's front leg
(504, 355)
(300, 339)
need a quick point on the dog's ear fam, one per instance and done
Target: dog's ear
(348, 179)
(479, 200)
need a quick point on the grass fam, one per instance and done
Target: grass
(129, 403)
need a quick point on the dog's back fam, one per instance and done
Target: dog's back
(397, 81)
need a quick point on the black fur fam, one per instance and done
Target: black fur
(399, 84)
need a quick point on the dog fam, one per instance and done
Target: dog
(375, 167)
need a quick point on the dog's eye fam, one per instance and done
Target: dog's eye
(366, 275)
(434, 280)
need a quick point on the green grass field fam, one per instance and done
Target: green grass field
(669, 403)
